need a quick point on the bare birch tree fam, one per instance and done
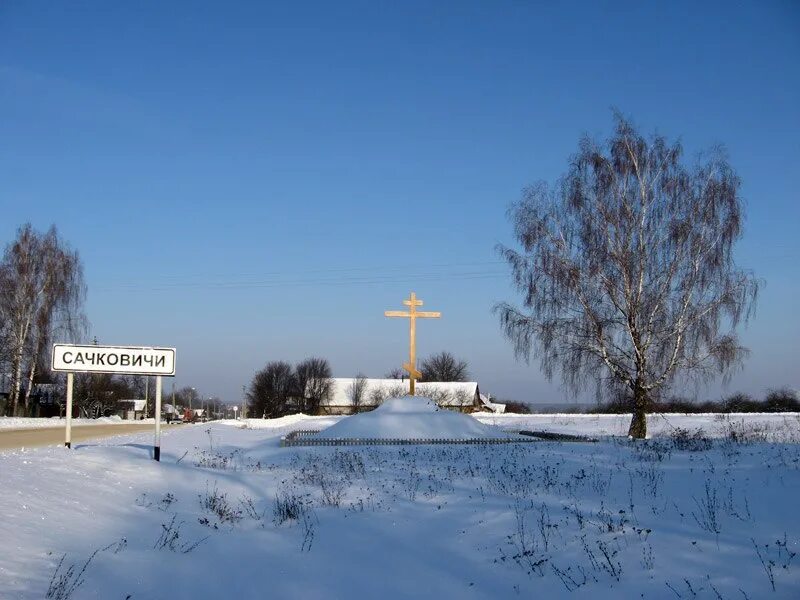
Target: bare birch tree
(444, 367)
(626, 269)
(41, 294)
(313, 377)
(358, 392)
(396, 373)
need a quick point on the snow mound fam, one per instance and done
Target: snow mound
(411, 418)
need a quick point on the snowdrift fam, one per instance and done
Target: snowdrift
(411, 417)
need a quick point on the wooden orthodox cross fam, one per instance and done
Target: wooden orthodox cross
(412, 314)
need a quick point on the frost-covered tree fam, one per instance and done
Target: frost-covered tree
(42, 292)
(626, 269)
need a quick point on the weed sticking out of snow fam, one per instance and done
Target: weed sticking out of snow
(67, 579)
(705, 509)
(290, 507)
(170, 538)
(216, 503)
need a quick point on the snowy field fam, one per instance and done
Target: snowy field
(773, 426)
(708, 508)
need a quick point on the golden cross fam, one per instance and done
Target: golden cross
(412, 315)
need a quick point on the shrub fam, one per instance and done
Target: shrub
(614, 407)
(740, 403)
(517, 407)
(688, 441)
(781, 400)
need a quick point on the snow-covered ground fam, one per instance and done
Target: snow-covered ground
(31, 423)
(774, 426)
(713, 424)
(228, 512)
(413, 418)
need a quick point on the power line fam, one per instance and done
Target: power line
(295, 272)
(337, 277)
(322, 283)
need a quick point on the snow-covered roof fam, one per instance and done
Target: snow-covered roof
(445, 393)
(137, 404)
(492, 406)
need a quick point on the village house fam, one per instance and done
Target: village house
(44, 400)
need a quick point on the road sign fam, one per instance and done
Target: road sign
(127, 360)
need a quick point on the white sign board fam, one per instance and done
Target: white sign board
(114, 359)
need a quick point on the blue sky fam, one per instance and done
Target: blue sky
(250, 182)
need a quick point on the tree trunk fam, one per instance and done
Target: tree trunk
(16, 382)
(21, 338)
(29, 389)
(638, 428)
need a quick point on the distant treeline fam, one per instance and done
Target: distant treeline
(782, 400)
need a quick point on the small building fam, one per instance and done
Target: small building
(44, 400)
(463, 396)
(131, 409)
(489, 406)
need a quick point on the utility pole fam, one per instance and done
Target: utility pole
(244, 404)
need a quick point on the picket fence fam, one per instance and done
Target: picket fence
(306, 438)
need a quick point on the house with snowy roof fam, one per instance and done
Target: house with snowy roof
(132, 408)
(349, 395)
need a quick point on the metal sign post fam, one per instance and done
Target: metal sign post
(128, 360)
(157, 443)
(68, 435)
